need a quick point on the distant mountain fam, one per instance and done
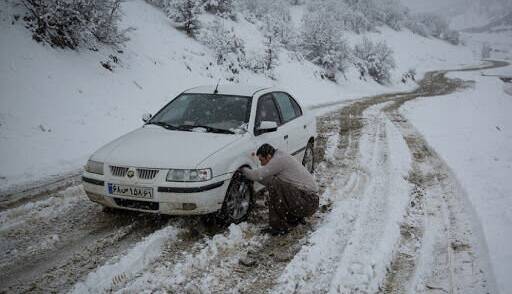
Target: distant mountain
(499, 24)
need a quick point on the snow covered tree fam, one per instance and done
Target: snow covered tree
(322, 39)
(355, 21)
(374, 59)
(430, 24)
(452, 37)
(392, 13)
(272, 16)
(184, 13)
(158, 3)
(71, 23)
(227, 46)
(222, 8)
(486, 51)
(277, 23)
(366, 9)
(271, 54)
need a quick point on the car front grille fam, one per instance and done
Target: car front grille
(118, 171)
(142, 173)
(146, 174)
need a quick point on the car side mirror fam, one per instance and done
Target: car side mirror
(266, 127)
(146, 117)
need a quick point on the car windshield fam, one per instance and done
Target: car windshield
(206, 113)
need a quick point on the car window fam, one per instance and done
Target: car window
(285, 105)
(267, 111)
(296, 107)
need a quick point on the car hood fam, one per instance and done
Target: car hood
(156, 147)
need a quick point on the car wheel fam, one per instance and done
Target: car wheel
(238, 200)
(308, 161)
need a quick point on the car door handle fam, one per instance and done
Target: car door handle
(285, 137)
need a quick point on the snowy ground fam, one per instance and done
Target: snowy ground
(394, 219)
(472, 132)
(58, 106)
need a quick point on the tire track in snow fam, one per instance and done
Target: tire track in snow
(201, 267)
(442, 257)
(303, 274)
(384, 198)
(49, 244)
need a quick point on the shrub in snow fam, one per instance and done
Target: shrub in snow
(184, 13)
(322, 41)
(392, 13)
(227, 46)
(355, 21)
(71, 23)
(486, 51)
(417, 27)
(365, 13)
(158, 3)
(409, 75)
(273, 17)
(374, 60)
(430, 24)
(453, 37)
(223, 8)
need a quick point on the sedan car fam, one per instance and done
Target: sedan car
(185, 160)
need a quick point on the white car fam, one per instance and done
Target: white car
(184, 159)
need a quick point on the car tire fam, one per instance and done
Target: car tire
(308, 161)
(238, 200)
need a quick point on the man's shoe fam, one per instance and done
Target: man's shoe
(296, 222)
(274, 231)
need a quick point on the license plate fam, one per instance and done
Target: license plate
(123, 190)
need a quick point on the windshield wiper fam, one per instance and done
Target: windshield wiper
(163, 124)
(208, 129)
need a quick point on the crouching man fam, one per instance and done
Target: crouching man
(292, 189)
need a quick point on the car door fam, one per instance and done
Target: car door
(293, 123)
(267, 111)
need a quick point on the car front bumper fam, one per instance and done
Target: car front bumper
(192, 198)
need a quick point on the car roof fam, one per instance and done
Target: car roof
(235, 89)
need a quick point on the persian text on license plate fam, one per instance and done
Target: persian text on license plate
(123, 190)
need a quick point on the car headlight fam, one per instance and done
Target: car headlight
(94, 167)
(189, 175)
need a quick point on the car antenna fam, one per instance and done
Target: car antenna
(216, 91)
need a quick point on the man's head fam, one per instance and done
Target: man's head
(265, 153)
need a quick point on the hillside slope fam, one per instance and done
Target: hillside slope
(58, 106)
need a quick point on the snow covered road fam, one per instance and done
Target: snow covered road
(393, 219)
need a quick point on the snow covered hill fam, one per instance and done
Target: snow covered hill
(57, 106)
